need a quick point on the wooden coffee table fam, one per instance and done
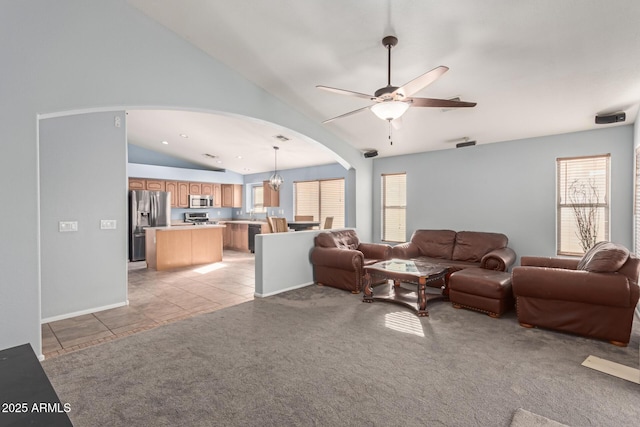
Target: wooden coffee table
(420, 273)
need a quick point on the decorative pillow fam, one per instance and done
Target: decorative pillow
(604, 257)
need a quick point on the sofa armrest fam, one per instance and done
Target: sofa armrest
(405, 251)
(345, 259)
(610, 289)
(375, 250)
(551, 262)
(498, 259)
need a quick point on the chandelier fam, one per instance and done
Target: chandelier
(276, 180)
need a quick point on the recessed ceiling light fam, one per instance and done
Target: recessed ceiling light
(165, 142)
(219, 161)
(184, 135)
(238, 157)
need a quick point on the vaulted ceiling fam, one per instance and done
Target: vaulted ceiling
(534, 67)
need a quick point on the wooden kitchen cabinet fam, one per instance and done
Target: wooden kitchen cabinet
(217, 195)
(172, 187)
(155, 185)
(236, 237)
(137, 184)
(271, 196)
(206, 189)
(195, 188)
(231, 195)
(183, 194)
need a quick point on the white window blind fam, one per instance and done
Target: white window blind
(257, 192)
(583, 203)
(394, 207)
(321, 199)
(636, 208)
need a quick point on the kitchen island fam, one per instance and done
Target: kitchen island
(237, 236)
(172, 247)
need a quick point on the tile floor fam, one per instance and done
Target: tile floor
(157, 298)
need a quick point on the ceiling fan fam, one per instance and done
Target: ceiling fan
(391, 102)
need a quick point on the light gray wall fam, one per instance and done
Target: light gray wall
(508, 187)
(83, 178)
(302, 174)
(72, 55)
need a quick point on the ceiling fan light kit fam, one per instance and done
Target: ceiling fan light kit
(391, 102)
(276, 180)
(390, 110)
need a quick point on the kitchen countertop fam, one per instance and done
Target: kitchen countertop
(243, 221)
(186, 227)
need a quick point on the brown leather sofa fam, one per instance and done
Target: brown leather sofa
(594, 297)
(339, 258)
(458, 250)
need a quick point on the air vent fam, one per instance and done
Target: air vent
(211, 156)
(281, 138)
(444, 110)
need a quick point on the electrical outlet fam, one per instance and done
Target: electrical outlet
(107, 224)
(65, 226)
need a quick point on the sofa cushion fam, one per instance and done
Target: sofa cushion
(604, 257)
(435, 243)
(471, 246)
(343, 239)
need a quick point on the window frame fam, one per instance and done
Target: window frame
(384, 207)
(339, 221)
(605, 204)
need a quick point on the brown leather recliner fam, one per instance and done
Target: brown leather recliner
(458, 250)
(339, 257)
(594, 297)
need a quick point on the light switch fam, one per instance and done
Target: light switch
(107, 224)
(64, 226)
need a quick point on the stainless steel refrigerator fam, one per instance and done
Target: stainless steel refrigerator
(146, 209)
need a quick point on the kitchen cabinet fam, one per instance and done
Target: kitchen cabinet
(271, 196)
(195, 188)
(236, 236)
(137, 184)
(206, 189)
(172, 187)
(217, 195)
(183, 194)
(173, 247)
(231, 195)
(155, 185)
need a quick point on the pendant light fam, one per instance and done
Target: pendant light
(276, 180)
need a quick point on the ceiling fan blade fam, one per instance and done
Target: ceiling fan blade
(347, 92)
(347, 114)
(422, 81)
(441, 103)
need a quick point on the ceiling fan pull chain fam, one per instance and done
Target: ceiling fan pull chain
(390, 130)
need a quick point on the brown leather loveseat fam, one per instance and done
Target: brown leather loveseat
(594, 297)
(458, 250)
(339, 258)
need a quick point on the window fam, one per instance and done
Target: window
(321, 199)
(394, 207)
(257, 196)
(636, 205)
(583, 203)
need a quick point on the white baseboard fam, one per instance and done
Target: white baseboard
(82, 312)
(279, 291)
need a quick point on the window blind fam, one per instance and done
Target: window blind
(582, 203)
(321, 199)
(394, 207)
(258, 198)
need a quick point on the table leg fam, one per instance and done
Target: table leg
(368, 290)
(422, 297)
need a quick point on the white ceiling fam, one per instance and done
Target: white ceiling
(534, 67)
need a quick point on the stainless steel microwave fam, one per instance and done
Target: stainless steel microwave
(200, 201)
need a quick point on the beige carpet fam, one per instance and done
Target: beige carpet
(524, 418)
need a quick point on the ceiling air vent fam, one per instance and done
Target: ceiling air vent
(281, 138)
(444, 110)
(211, 156)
